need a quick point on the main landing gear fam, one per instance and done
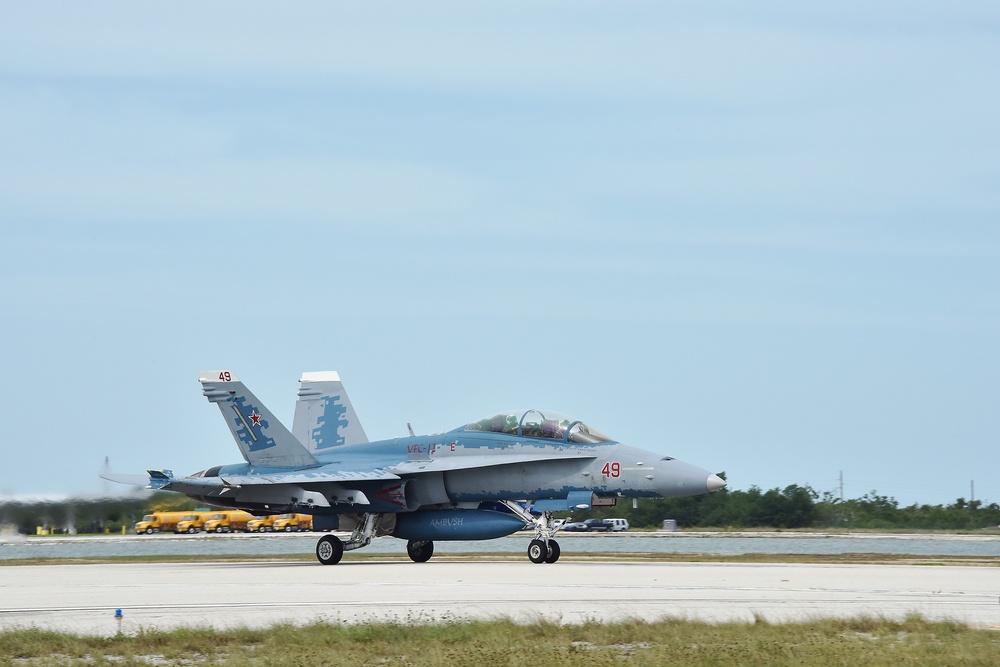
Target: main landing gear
(419, 551)
(542, 549)
(329, 549)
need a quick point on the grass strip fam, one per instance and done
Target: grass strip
(867, 641)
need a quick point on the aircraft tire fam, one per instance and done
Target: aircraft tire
(419, 551)
(329, 550)
(554, 552)
(537, 553)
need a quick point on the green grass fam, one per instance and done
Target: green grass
(863, 641)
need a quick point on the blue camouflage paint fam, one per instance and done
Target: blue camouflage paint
(414, 477)
(327, 433)
(242, 426)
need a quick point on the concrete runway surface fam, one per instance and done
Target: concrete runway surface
(83, 598)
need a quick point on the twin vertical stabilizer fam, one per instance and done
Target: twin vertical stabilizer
(324, 416)
(262, 439)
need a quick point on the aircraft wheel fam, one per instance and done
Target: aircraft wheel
(329, 550)
(553, 552)
(419, 551)
(537, 553)
(149, 531)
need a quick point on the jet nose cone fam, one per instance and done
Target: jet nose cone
(715, 483)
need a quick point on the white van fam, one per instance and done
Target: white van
(618, 524)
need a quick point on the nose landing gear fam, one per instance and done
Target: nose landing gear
(542, 549)
(554, 552)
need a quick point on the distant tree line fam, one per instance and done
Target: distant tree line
(792, 507)
(801, 507)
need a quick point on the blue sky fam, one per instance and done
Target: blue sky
(762, 239)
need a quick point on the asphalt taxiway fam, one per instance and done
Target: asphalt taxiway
(83, 598)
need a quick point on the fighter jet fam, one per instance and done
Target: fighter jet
(483, 480)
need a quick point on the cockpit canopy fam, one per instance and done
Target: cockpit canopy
(538, 424)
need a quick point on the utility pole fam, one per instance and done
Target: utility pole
(841, 486)
(972, 502)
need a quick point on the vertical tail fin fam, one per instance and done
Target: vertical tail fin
(324, 416)
(262, 439)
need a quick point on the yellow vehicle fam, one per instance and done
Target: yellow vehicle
(261, 524)
(290, 522)
(227, 521)
(158, 521)
(191, 522)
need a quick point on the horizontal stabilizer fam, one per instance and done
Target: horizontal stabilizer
(126, 478)
(159, 478)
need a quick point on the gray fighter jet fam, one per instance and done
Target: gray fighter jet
(483, 480)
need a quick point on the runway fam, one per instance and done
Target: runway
(83, 598)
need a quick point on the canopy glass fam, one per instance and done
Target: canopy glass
(538, 424)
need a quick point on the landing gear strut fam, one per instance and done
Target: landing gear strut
(329, 549)
(542, 549)
(419, 551)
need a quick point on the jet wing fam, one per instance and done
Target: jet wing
(281, 489)
(157, 479)
(466, 462)
(164, 479)
(307, 477)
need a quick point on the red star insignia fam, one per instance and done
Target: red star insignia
(255, 418)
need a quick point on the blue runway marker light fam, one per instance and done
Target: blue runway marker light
(118, 619)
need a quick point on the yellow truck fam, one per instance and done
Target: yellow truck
(191, 522)
(227, 521)
(159, 521)
(261, 524)
(290, 522)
